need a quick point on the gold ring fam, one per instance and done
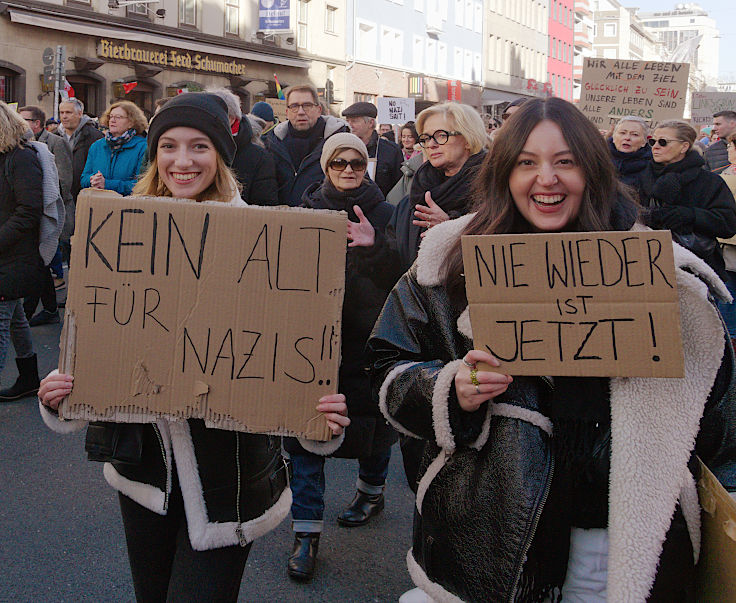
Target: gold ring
(474, 377)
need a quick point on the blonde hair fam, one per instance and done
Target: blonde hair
(135, 115)
(12, 128)
(223, 187)
(462, 118)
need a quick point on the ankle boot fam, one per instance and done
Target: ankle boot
(27, 382)
(303, 557)
(361, 509)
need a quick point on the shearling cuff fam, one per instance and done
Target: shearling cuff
(322, 448)
(444, 383)
(54, 423)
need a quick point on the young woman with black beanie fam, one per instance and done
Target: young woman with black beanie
(196, 498)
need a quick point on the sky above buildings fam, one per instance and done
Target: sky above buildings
(724, 12)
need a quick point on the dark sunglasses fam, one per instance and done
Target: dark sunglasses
(357, 165)
(662, 142)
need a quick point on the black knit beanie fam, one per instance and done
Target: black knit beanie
(201, 111)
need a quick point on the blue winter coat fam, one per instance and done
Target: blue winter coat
(120, 168)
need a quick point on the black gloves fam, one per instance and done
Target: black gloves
(672, 217)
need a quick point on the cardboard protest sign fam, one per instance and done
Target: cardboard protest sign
(395, 110)
(705, 104)
(185, 309)
(279, 107)
(612, 88)
(596, 303)
(717, 563)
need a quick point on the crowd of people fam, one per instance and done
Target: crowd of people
(528, 488)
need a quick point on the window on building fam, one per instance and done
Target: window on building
(478, 19)
(232, 16)
(137, 9)
(442, 7)
(468, 65)
(477, 67)
(457, 65)
(364, 97)
(610, 53)
(442, 58)
(469, 14)
(418, 54)
(7, 85)
(302, 16)
(459, 5)
(609, 30)
(188, 12)
(430, 56)
(392, 46)
(367, 41)
(330, 16)
(419, 5)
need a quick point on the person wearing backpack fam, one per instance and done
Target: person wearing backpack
(21, 265)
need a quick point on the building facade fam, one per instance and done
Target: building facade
(561, 47)
(163, 47)
(431, 50)
(515, 52)
(620, 34)
(582, 44)
(688, 35)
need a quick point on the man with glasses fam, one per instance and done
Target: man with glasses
(716, 155)
(296, 144)
(385, 157)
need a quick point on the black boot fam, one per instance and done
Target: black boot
(361, 509)
(27, 382)
(304, 556)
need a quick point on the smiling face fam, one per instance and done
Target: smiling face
(674, 151)
(407, 139)
(452, 155)
(347, 179)
(546, 184)
(629, 137)
(187, 161)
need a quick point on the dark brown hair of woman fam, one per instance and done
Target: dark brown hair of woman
(496, 212)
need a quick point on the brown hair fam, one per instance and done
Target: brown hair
(684, 131)
(496, 211)
(223, 187)
(302, 88)
(36, 113)
(135, 115)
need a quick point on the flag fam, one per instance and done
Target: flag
(684, 52)
(128, 86)
(182, 90)
(279, 92)
(68, 90)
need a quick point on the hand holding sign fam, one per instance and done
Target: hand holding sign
(470, 395)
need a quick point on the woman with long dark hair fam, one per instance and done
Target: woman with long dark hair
(531, 487)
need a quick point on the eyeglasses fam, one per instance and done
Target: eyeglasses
(440, 137)
(305, 106)
(357, 165)
(116, 117)
(662, 142)
(30, 120)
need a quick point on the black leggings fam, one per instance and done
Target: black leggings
(165, 567)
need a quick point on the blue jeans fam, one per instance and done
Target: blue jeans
(56, 265)
(308, 485)
(728, 311)
(13, 324)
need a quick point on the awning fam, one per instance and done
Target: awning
(496, 97)
(102, 31)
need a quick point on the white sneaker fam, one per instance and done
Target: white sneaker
(415, 595)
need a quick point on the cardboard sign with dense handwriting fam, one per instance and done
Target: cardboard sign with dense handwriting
(612, 88)
(705, 104)
(185, 309)
(596, 303)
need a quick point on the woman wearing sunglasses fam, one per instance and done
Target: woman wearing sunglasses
(345, 188)
(681, 196)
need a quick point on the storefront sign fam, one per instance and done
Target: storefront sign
(274, 16)
(614, 88)
(454, 90)
(172, 58)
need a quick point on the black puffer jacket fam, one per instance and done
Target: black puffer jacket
(388, 162)
(361, 305)
(485, 475)
(716, 157)
(629, 166)
(684, 198)
(254, 168)
(21, 207)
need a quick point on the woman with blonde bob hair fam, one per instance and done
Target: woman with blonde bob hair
(193, 498)
(114, 162)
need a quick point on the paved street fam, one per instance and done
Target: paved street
(61, 538)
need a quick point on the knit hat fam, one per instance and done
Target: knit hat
(263, 110)
(341, 140)
(201, 111)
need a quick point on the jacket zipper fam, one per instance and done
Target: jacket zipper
(239, 526)
(535, 524)
(166, 465)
